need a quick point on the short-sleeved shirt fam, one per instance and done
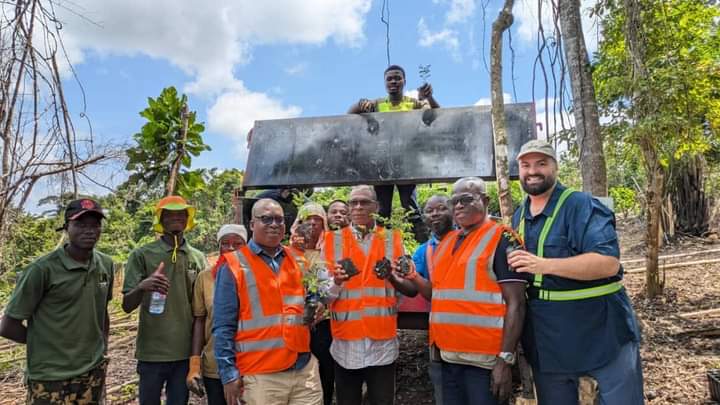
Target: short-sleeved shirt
(202, 306)
(65, 304)
(167, 336)
(503, 274)
(417, 104)
(580, 335)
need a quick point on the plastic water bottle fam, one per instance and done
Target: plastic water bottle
(157, 303)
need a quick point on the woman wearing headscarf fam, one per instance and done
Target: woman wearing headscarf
(306, 240)
(203, 366)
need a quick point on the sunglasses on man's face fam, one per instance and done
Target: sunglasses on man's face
(464, 199)
(269, 219)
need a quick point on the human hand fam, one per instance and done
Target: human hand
(194, 379)
(234, 392)
(425, 91)
(156, 282)
(339, 275)
(501, 380)
(319, 313)
(404, 268)
(366, 106)
(523, 261)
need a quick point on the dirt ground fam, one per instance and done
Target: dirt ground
(677, 348)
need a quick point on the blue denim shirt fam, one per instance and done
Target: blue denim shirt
(420, 256)
(580, 335)
(225, 316)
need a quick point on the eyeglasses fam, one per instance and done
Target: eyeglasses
(464, 199)
(269, 219)
(360, 203)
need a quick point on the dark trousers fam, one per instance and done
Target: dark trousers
(463, 384)
(320, 340)
(380, 382)
(214, 391)
(408, 200)
(170, 374)
(619, 382)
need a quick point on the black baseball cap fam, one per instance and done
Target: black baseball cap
(77, 208)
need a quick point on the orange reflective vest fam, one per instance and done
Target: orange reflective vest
(467, 306)
(366, 306)
(270, 331)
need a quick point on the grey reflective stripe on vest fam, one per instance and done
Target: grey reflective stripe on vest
(293, 300)
(258, 320)
(367, 292)
(337, 245)
(467, 295)
(258, 345)
(252, 290)
(451, 318)
(293, 320)
(389, 245)
(471, 269)
(359, 314)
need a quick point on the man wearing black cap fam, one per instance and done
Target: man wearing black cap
(66, 290)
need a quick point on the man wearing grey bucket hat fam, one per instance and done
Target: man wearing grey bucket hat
(579, 320)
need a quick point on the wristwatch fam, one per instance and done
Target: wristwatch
(507, 357)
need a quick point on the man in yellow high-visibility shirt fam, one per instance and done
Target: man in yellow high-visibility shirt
(396, 101)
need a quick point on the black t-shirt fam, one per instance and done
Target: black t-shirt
(500, 263)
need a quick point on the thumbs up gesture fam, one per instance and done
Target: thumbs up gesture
(157, 281)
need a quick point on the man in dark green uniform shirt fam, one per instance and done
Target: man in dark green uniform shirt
(167, 266)
(63, 297)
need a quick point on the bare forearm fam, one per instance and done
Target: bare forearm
(406, 287)
(514, 296)
(424, 287)
(132, 300)
(433, 103)
(13, 329)
(585, 267)
(198, 335)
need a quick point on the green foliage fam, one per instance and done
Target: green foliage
(214, 207)
(31, 237)
(159, 145)
(625, 200)
(676, 106)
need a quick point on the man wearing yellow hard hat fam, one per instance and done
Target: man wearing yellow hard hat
(158, 278)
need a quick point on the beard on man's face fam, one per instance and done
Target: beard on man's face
(539, 187)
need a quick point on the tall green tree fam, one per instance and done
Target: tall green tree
(657, 73)
(167, 142)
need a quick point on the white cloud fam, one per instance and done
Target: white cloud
(297, 69)
(447, 38)
(507, 98)
(526, 18)
(460, 10)
(235, 112)
(208, 41)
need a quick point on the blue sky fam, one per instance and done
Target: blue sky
(243, 60)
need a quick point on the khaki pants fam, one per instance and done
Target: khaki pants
(296, 387)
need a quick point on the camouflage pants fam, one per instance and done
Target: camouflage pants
(85, 389)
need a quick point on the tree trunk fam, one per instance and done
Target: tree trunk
(687, 192)
(502, 173)
(180, 150)
(654, 194)
(585, 110)
(654, 190)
